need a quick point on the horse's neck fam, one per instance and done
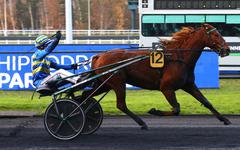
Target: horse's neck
(194, 45)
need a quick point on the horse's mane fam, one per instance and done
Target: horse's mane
(178, 38)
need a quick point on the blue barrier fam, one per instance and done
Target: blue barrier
(15, 64)
(206, 71)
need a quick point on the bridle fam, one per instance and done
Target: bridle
(208, 32)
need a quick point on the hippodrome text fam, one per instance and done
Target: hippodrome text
(15, 70)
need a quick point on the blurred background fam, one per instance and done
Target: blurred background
(19, 18)
(50, 14)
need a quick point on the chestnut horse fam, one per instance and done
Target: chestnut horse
(185, 48)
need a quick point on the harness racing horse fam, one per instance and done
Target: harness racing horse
(185, 48)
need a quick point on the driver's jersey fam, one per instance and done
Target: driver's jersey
(41, 63)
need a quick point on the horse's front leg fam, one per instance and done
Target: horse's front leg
(172, 100)
(195, 92)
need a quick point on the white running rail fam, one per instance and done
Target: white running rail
(88, 41)
(75, 32)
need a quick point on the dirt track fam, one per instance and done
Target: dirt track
(182, 132)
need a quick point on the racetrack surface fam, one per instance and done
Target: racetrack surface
(121, 132)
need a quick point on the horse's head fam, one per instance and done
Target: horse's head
(215, 41)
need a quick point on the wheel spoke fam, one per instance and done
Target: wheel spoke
(70, 124)
(59, 126)
(89, 107)
(53, 116)
(92, 118)
(70, 114)
(73, 115)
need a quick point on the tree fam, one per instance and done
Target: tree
(2, 15)
(12, 13)
(55, 19)
(119, 14)
(50, 14)
(80, 19)
(110, 14)
(22, 15)
(101, 15)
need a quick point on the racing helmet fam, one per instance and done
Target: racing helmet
(41, 41)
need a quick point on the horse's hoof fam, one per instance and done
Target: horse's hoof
(155, 112)
(152, 111)
(144, 127)
(227, 122)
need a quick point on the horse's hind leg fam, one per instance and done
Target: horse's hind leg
(172, 100)
(120, 90)
(195, 92)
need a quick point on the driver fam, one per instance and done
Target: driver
(41, 64)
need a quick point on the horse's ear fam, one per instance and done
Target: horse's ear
(205, 26)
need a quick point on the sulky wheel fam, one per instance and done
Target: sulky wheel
(93, 115)
(68, 123)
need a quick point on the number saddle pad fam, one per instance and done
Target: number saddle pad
(156, 59)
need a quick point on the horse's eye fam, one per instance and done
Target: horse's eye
(216, 35)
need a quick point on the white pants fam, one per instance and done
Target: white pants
(61, 73)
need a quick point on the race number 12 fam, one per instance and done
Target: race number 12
(156, 59)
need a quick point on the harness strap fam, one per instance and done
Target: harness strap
(209, 31)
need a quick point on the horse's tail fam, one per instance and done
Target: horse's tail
(95, 65)
(94, 61)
